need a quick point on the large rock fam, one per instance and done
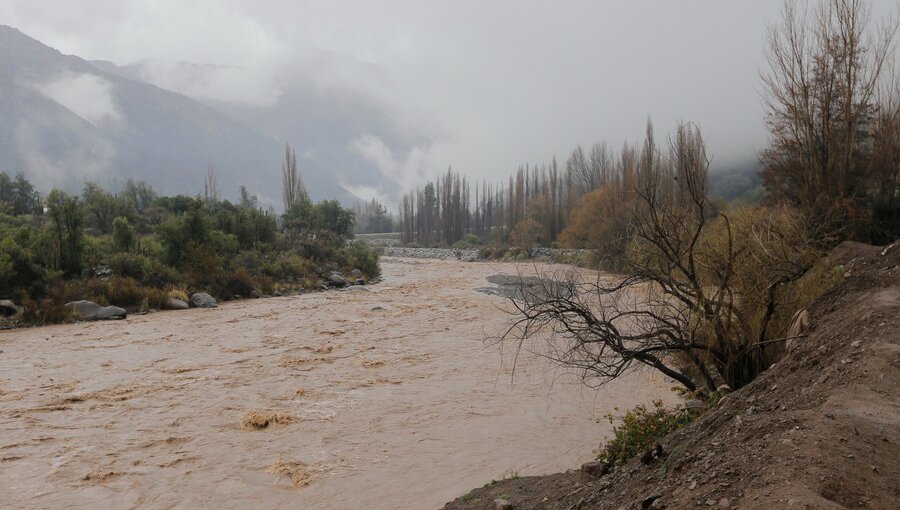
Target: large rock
(90, 311)
(595, 469)
(356, 273)
(337, 280)
(203, 300)
(8, 308)
(176, 304)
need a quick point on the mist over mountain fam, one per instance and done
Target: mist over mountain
(67, 120)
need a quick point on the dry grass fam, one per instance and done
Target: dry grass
(296, 471)
(258, 420)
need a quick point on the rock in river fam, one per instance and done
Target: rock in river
(7, 307)
(176, 304)
(203, 300)
(90, 311)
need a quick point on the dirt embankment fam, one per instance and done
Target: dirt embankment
(820, 429)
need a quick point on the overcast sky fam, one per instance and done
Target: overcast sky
(492, 84)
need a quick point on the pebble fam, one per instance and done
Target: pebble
(856, 344)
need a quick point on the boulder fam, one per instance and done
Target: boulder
(110, 313)
(90, 311)
(356, 273)
(595, 469)
(8, 308)
(337, 280)
(176, 304)
(694, 404)
(203, 300)
(254, 294)
(360, 281)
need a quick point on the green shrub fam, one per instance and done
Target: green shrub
(288, 266)
(360, 256)
(469, 241)
(128, 265)
(18, 270)
(640, 429)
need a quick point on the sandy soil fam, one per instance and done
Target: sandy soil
(313, 401)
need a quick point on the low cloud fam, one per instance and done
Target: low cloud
(87, 95)
(257, 87)
(402, 172)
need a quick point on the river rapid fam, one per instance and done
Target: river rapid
(379, 397)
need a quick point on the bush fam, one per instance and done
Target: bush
(361, 256)
(143, 269)
(128, 265)
(469, 241)
(640, 429)
(240, 283)
(18, 270)
(288, 266)
(179, 293)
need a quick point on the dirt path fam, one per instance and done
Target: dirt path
(398, 407)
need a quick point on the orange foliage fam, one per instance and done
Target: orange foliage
(599, 221)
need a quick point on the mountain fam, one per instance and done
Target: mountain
(326, 124)
(67, 120)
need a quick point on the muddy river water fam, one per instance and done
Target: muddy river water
(386, 398)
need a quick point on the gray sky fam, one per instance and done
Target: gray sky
(492, 84)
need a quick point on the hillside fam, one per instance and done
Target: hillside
(819, 429)
(67, 120)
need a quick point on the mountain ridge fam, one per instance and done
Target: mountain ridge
(141, 131)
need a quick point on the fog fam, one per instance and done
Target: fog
(487, 85)
(87, 95)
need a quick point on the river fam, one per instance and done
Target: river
(387, 396)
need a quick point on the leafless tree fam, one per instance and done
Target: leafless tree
(677, 308)
(826, 66)
(211, 185)
(293, 189)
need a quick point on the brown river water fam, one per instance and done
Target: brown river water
(403, 407)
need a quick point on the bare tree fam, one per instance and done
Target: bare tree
(678, 306)
(211, 185)
(293, 190)
(825, 69)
